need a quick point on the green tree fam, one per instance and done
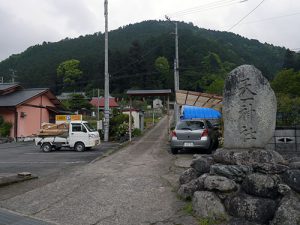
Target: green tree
(77, 102)
(137, 65)
(216, 87)
(289, 60)
(287, 82)
(69, 72)
(212, 63)
(162, 66)
(287, 88)
(288, 109)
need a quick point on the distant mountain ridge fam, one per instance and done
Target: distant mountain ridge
(133, 50)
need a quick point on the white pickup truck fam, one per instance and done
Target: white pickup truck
(80, 137)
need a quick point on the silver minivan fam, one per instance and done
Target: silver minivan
(194, 134)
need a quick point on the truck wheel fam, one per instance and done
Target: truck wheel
(79, 147)
(46, 147)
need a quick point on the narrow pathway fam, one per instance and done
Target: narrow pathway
(130, 187)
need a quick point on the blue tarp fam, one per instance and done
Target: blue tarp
(193, 112)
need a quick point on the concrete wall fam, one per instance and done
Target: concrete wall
(286, 140)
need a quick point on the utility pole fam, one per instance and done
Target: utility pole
(98, 105)
(176, 71)
(106, 88)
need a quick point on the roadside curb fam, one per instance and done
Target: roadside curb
(8, 179)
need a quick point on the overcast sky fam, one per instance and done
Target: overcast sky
(24, 23)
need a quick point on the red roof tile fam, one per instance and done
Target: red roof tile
(112, 102)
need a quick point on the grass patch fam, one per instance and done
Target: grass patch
(211, 221)
(207, 221)
(188, 208)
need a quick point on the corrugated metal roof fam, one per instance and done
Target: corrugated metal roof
(198, 99)
(6, 86)
(18, 97)
(149, 92)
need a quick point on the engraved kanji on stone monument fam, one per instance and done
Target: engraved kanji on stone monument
(249, 109)
(247, 101)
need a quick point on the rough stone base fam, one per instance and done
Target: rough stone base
(254, 186)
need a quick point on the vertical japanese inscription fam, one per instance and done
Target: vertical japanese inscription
(246, 110)
(249, 109)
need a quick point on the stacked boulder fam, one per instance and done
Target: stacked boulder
(243, 182)
(257, 188)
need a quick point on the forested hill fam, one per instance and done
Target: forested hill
(205, 57)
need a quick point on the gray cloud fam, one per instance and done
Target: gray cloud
(16, 35)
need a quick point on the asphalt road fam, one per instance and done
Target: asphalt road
(26, 157)
(132, 186)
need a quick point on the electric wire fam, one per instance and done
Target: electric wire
(185, 11)
(271, 18)
(206, 7)
(244, 17)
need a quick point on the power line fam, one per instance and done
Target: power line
(201, 7)
(245, 16)
(206, 7)
(271, 18)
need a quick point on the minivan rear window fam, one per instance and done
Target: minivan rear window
(190, 125)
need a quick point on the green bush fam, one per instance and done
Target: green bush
(136, 132)
(4, 127)
(118, 126)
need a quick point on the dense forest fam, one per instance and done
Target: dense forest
(141, 56)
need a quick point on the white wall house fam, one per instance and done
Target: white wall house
(138, 118)
(157, 103)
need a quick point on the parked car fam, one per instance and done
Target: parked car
(194, 134)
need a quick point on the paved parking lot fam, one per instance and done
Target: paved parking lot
(26, 157)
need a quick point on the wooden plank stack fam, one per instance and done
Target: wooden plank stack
(51, 129)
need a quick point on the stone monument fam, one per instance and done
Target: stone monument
(249, 109)
(243, 183)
